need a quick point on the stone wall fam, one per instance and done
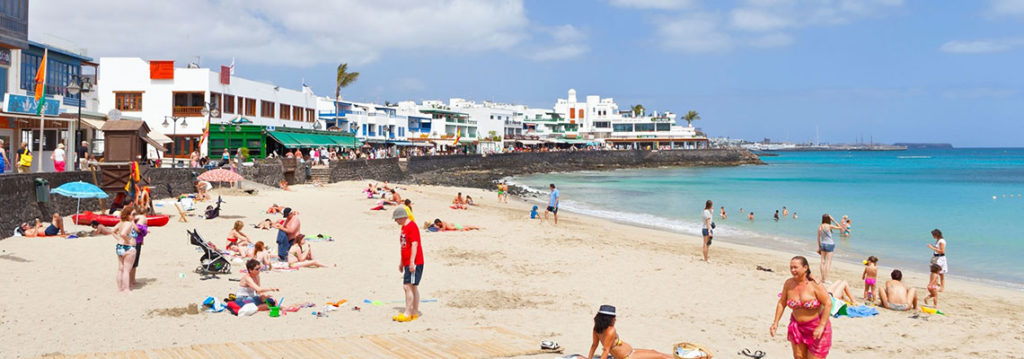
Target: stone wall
(534, 162)
(387, 169)
(18, 194)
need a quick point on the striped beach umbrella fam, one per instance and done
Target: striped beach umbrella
(220, 175)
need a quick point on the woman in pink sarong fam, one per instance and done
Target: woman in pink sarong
(809, 328)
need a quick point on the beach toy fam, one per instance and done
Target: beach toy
(275, 312)
(338, 303)
(931, 310)
(374, 302)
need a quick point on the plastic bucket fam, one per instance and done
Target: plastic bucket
(275, 312)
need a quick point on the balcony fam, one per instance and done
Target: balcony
(188, 111)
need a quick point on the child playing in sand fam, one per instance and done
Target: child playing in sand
(262, 255)
(533, 213)
(870, 276)
(238, 241)
(933, 286)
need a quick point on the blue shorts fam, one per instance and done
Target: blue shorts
(407, 278)
(52, 230)
(828, 247)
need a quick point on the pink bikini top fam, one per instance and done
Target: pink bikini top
(811, 304)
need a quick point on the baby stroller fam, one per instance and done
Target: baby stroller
(212, 262)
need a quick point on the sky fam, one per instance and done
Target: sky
(839, 71)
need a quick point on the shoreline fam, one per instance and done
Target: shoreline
(529, 276)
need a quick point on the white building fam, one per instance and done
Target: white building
(443, 125)
(159, 93)
(491, 119)
(600, 118)
(371, 123)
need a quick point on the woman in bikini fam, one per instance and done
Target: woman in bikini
(448, 226)
(301, 254)
(810, 331)
(238, 241)
(125, 249)
(605, 334)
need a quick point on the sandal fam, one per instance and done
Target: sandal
(757, 354)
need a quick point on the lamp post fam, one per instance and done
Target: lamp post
(174, 136)
(209, 110)
(77, 86)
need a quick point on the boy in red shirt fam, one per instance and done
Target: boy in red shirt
(411, 264)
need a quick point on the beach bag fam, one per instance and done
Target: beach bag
(26, 159)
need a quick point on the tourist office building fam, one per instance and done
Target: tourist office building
(178, 102)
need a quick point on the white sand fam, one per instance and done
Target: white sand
(546, 281)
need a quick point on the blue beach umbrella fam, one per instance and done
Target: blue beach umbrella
(79, 190)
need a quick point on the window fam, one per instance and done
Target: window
(266, 109)
(664, 127)
(182, 146)
(297, 113)
(581, 113)
(241, 105)
(128, 101)
(250, 107)
(645, 127)
(286, 112)
(602, 124)
(189, 104)
(622, 127)
(310, 115)
(215, 102)
(58, 74)
(229, 104)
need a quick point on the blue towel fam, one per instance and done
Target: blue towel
(861, 311)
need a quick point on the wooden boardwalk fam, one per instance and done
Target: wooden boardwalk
(474, 343)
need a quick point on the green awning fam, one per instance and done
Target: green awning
(310, 140)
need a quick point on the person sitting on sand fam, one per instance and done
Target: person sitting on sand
(443, 226)
(266, 224)
(202, 190)
(897, 296)
(606, 334)
(301, 254)
(274, 209)
(261, 254)
(250, 290)
(396, 199)
(283, 185)
(469, 201)
(458, 202)
(238, 241)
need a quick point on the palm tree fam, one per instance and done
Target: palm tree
(690, 117)
(638, 110)
(345, 78)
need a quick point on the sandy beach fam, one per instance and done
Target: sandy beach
(540, 279)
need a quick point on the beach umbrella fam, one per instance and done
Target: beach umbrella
(220, 175)
(79, 190)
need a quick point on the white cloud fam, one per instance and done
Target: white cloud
(563, 43)
(757, 19)
(981, 46)
(654, 4)
(763, 23)
(1006, 7)
(296, 32)
(698, 32)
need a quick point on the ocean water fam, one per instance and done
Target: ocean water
(895, 199)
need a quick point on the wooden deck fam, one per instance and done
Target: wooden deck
(473, 343)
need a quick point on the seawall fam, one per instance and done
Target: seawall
(18, 195)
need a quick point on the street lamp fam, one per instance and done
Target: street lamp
(209, 110)
(78, 85)
(174, 140)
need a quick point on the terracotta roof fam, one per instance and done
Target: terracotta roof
(124, 125)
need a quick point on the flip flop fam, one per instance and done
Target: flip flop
(757, 354)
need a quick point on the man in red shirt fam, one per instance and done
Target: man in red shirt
(411, 264)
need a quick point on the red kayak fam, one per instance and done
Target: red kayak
(86, 218)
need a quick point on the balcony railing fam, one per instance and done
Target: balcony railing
(188, 111)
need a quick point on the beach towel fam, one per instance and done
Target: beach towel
(861, 311)
(320, 238)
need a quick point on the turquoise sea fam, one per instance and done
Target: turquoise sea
(975, 196)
